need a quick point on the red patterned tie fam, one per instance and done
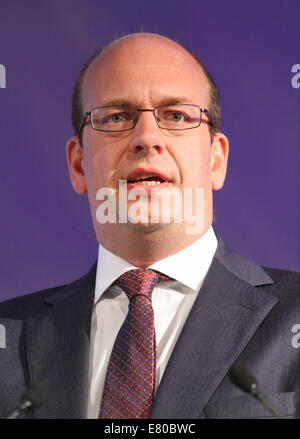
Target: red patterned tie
(129, 385)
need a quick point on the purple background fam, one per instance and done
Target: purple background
(47, 236)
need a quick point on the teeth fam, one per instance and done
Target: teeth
(148, 183)
(143, 176)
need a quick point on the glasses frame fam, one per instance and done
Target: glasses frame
(139, 110)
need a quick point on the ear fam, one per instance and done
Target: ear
(219, 158)
(74, 153)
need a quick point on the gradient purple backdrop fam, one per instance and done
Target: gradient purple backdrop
(47, 236)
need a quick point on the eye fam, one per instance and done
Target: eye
(176, 117)
(117, 117)
(114, 118)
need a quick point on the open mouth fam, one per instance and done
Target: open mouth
(147, 180)
(147, 177)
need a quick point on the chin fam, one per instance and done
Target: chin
(148, 227)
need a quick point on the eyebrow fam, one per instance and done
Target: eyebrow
(166, 100)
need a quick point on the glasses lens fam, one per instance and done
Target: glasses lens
(113, 118)
(178, 117)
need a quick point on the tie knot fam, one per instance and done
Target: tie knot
(140, 281)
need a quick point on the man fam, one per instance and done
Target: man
(148, 119)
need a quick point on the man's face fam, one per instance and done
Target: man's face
(144, 72)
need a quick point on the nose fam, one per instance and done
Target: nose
(146, 135)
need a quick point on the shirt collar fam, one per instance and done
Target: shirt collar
(188, 266)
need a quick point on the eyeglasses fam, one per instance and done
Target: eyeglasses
(168, 117)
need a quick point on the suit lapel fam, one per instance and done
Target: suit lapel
(57, 346)
(226, 314)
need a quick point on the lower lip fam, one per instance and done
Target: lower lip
(147, 188)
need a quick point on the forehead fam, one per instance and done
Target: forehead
(144, 70)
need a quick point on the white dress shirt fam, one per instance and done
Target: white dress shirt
(172, 302)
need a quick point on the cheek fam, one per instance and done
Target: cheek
(100, 166)
(194, 165)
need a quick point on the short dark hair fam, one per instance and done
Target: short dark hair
(214, 106)
(77, 107)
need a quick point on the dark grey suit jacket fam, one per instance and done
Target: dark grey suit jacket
(243, 312)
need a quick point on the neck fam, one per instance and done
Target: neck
(143, 248)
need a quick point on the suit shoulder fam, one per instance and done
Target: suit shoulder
(23, 306)
(34, 303)
(281, 275)
(286, 284)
